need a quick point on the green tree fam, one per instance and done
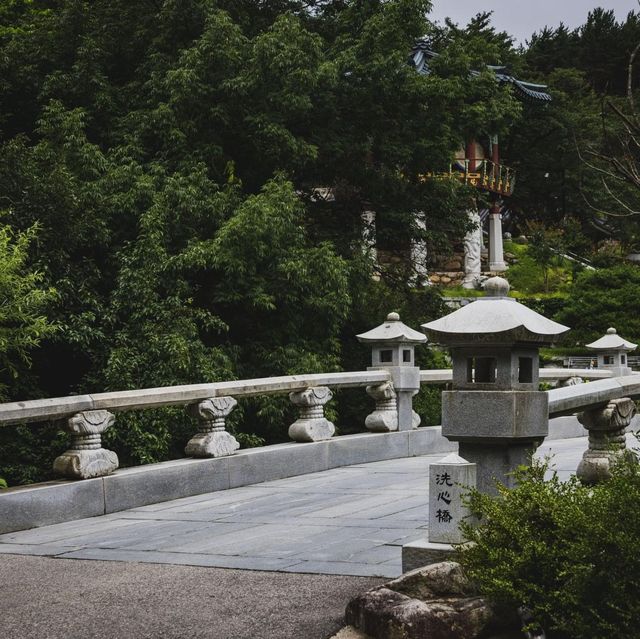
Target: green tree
(174, 156)
(23, 322)
(600, 299)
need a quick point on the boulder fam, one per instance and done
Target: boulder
(433, 602)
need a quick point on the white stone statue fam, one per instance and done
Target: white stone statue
(472, 253)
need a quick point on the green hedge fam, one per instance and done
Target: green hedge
(566, 551)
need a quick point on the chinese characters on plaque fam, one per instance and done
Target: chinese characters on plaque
(449, 479)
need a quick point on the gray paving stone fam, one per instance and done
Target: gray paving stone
(385, 554)
(49, 550)
(186, 559)
(64, 531)
(344, 568)
(354, 506)
(136, 531)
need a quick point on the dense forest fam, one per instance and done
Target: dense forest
(162, 170)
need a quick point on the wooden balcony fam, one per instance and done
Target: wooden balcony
(481, 174)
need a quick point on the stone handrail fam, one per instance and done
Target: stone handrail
(551, 374)
(573, 399)
(445, 375)
(118, 401)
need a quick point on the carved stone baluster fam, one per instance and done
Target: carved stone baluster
(385, 417)
(86, 458)
(607, 442)
(311, 425)
(212, 440)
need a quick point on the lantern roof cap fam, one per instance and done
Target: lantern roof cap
(392, 330)
(611, 342)
(495, 318)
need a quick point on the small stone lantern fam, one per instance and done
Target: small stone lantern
(612, 353)
(495, 410)
(392, 348)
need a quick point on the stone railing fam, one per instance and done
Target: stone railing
(605, 408)
(86, 417)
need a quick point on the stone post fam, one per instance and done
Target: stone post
(607, 441)
(86, 458)
(311, 425)
(449, 479)
(212, 440)
(385, 417)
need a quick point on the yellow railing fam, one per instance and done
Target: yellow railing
(481, 174)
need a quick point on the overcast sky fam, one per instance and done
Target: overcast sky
(521, 18)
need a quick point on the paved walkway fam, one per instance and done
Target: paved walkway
(346, 521)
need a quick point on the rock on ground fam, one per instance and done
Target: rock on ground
(433, 602)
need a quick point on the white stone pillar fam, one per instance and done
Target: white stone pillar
(311, 426)
(472, 253)
(369, 234)
(496, 251)
(419, 255)
(86, 458)
(212, 440)
(385, 417)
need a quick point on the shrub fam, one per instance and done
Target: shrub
(565, 551)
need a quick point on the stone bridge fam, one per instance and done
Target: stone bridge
(322, 504)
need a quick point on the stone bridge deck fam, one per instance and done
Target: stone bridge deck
(345, 521)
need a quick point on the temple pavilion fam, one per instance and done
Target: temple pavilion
(477, 163)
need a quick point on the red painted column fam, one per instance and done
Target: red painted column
(470, 154)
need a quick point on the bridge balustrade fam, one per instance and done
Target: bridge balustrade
(87, 417)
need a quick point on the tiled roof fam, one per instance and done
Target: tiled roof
(422, 55)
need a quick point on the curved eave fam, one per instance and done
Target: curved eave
(607, 344)
(494, 320)
(392, 335)
(527, 90)
(518, 335)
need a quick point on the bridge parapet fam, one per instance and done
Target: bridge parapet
(209, 403)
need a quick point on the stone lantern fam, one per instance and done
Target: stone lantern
(392, 348)
(612, 353)
(495, 410)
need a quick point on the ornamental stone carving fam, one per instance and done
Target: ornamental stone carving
(607, 441)
(212, 440)
(472, 253)
(86, 458)
(311, 425)
(384, 418)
